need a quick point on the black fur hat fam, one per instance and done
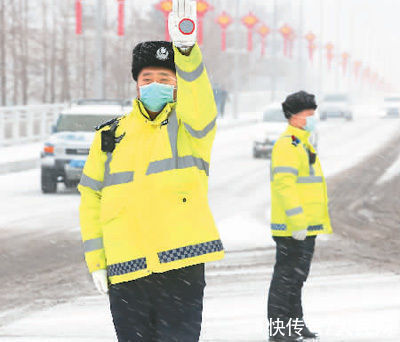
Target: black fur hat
(298, 102)
(154, 53)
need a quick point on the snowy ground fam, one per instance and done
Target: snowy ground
(337, 296)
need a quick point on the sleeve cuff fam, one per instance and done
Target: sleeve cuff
(188, 63)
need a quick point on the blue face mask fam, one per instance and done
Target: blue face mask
(311, 122)
(155, 96)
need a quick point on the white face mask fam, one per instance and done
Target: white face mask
(155, 96)
(311, 122)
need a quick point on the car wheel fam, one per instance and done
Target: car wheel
(48, 181)
(256, 155)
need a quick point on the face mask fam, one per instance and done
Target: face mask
(155, 96)
(311, 122)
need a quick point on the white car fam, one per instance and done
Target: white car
(336, 105)
(392, 106)
(273, 125)
(65, 151)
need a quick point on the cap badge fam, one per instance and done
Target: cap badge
(162, 53)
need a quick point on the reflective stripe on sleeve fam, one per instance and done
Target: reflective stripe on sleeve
(190, 251)
(310, 179)
(92, 244)
(285, 169)
(90, 182)
(192, 75)
(294, 211)
(201, 133)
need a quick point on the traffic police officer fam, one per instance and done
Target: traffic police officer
(299, 212)
(146, 224)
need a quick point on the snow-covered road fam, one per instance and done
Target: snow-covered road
(235, 305)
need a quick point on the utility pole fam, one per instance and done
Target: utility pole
(301, 78)
(338, 36)
(321, 48)
(99, 50)
(236, 74)
(274, 50)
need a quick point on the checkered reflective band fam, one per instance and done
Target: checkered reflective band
(316, 227)
(126, 267)
(190, 251)
(282, 226)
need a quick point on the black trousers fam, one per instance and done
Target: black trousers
(292, 266)
(162, 307)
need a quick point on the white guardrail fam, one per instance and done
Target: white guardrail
(23, 124)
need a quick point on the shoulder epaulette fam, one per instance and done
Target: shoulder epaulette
(295, 140)
(107, 123)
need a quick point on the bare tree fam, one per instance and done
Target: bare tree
(3, 55)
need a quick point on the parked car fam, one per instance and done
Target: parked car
(336, 105)
(65, 151)
(273, 125)
(392, 106)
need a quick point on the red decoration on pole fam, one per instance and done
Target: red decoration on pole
(165, 6)
(345, 59)
(357, 65)
(263, 31)
(329, 54)
(287, 33)
(311, 46)
(202, 8)
(250, 20)
(224, 20)
(121, 17)
(78, 13)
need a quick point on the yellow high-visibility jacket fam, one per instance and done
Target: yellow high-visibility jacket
(144, 207)
(299, 197)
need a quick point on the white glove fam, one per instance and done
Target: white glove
(182, 23)
(299, 234)
(100, 281)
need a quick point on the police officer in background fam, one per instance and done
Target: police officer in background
(146, 225)
(299, 212)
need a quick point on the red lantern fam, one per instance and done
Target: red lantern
(250, 20)
(165, 6)
(287, 33)
(224, 20)
(311, 46)
(357, 65)
(329, 54)
(345, 59)
(263, 31)
(121, 17)
(202, 8)
(78, 13)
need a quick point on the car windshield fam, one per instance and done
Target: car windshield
(392, 99)
(336, 97)
(274, 114)
(80, 122)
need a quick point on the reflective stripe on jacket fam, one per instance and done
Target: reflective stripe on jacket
(144, 207)
(299, 197)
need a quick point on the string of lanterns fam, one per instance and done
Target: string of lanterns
(250, 21)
